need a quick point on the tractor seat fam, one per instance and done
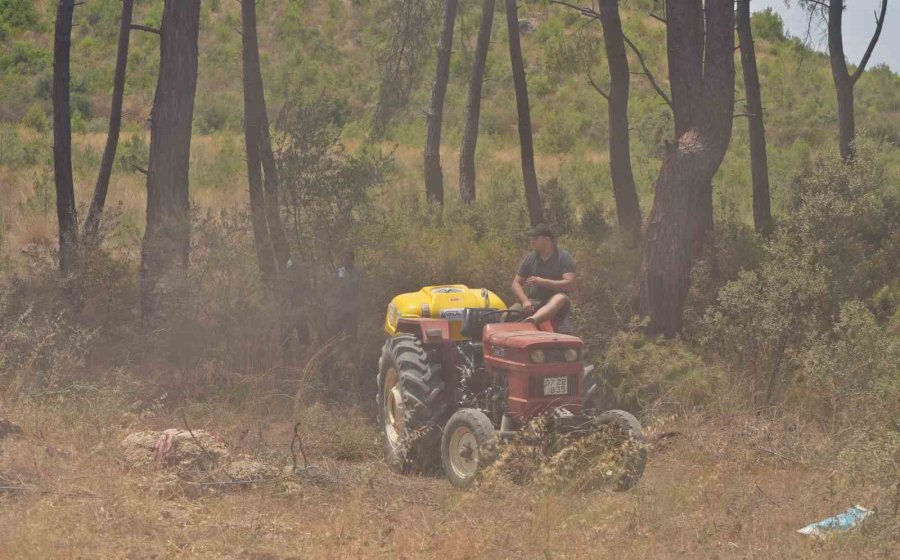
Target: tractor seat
(475, 318)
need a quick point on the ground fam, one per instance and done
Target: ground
(718, 486)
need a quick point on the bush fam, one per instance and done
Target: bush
(36, 118)
(839, 243)
(768, 25)
(640, 375)
(18, 14)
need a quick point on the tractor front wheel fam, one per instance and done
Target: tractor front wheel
(468, 437)
(635, 454)
(412, 403)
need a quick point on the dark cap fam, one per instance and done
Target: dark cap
(541, 230)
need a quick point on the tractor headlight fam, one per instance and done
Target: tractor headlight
(570, 355)
(538, 356)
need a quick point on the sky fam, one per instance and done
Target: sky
(859, 24)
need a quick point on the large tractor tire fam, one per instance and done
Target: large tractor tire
(467, 440)
(412, 404)
(636, 458)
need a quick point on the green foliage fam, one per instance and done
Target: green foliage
(767, 25)
(16, 151)
(639, 375)
(36, 119)
(839, 243)
(18, 14)
(133, 153)
(23, 58)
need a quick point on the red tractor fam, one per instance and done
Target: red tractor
(460, 372)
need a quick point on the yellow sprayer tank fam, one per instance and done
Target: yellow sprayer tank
(440, 302)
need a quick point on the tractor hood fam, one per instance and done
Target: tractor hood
(527, 339)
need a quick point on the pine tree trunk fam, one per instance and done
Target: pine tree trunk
(843, 84)
(62, 139)
(165, 251)
(434, 178)
(628, 208)
(92, 224)
(473, 105)
(704, 123)
(526, 142)
(252, 139)
(759, 163)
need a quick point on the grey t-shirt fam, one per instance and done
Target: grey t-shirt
(553, 268)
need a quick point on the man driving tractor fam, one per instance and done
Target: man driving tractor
(545, 278)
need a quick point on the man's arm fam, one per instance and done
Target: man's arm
(567, 284)
(518, 288)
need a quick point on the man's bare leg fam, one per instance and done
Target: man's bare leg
(549, 310)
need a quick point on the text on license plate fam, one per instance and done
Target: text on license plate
(556, 385)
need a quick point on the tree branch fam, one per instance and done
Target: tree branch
(587, 12)
(659, 18)
(594, 85)
(879, 24)
(146, 28)
(648, 73)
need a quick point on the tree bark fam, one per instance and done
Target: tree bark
(92, 224)
(473, 105)
(253, 123)
(628, 210)
(844, 82)
(526, 142)
(759, 162)
(66, 215)
(165, 251)
(704, 113)
(434, 178)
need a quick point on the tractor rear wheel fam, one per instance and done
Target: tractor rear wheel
(468, 435)
(412, 403)
(635, 459)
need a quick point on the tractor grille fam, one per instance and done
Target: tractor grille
(536, 386)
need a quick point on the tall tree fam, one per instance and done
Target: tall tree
(844, 82)
(628, 210)
(164, 254)
(526, 142)
(252, 136)
(62, 138)
(271, 243)
(759, 162)
(434, 178)
(701, 73)
(92, 224)
(473, 105)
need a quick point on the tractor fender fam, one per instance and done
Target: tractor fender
(429, 331)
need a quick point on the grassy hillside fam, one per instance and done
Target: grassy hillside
(314, 49)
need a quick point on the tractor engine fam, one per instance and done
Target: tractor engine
(541, 370)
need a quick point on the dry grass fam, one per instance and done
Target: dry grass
(727, 487)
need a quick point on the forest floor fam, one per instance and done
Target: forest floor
(722, 486)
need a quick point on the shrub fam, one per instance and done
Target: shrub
(767, 24)
(18, 14)
(839, 243)
(36, 118)
(639, 375)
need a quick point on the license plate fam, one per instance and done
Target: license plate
(556, 386)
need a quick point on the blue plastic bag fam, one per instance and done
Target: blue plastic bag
(837, 524)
